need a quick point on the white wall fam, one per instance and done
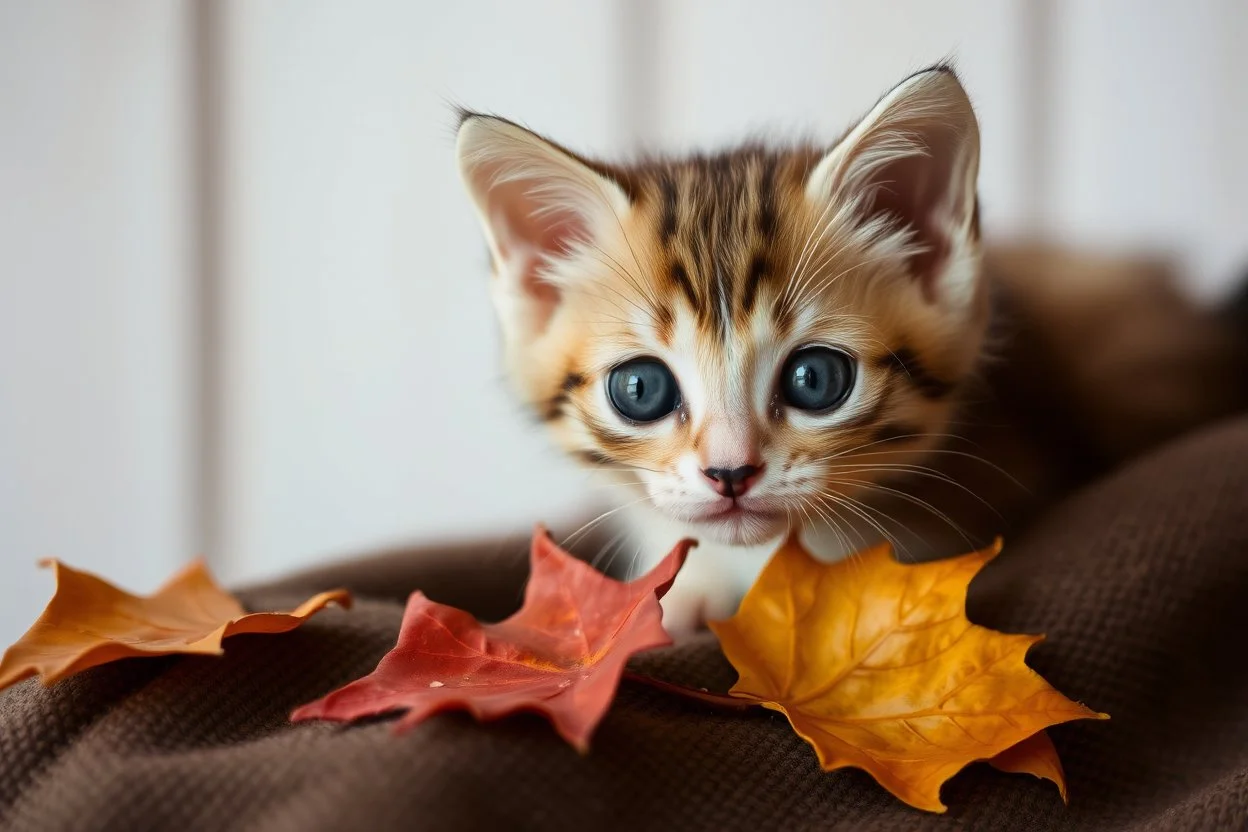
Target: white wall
(95, 315)
(1150, 129)
(363, 401)
(356, 398)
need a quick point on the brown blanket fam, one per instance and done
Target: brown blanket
(1140, 581)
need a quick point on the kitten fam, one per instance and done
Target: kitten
(776, 338)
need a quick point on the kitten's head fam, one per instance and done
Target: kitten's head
(749, 338)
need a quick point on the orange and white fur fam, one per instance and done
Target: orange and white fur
(764, 338)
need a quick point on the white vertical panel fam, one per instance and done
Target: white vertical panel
(733, 67)
(95, 451)
(364, 400)
(1148, 119)
(1227, 262)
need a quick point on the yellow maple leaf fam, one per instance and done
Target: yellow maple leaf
(90, 622)
(1034, 755)
(876, 665)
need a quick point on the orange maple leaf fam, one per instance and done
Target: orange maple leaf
(1035, 755)
(90, 622)
(876, 665)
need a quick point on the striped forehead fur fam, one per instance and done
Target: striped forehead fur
(730, 225)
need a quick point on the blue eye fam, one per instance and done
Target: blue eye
(643, 390)
(817, 378)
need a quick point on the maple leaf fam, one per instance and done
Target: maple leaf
(91, 622)
(561, 655)
(876, 665)
(1034, 755)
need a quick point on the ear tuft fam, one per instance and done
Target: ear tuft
(537, 202)
(910, 165)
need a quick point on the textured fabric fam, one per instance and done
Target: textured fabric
(1140, 581)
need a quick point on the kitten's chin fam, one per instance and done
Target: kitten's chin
(740, 528)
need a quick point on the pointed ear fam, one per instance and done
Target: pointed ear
(537, 203)
(911, 165)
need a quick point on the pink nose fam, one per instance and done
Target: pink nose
(732, 482)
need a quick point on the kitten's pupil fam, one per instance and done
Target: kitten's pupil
(643, 390)
(817, 378)
(805, 376)
(636, 387)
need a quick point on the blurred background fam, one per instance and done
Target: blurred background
(243, 304)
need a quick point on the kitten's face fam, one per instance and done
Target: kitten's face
(748, 340)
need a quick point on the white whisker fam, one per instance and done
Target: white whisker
(910, 498)
(571, 539)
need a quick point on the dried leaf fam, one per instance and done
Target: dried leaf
(877, 666)
(90, 622)
(1034, 755)
(561, 655)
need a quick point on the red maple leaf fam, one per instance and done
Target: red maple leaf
(561, 655)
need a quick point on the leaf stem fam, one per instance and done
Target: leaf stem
(718, 700)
